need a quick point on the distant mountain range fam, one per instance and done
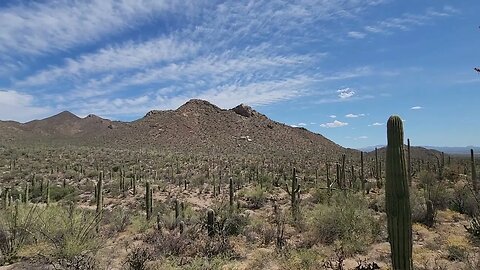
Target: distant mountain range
(195, 127)
(453, 150)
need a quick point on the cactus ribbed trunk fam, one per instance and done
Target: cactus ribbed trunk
(27, 196)
(409, 164)
(47, 199)
(210, 222)
(148, 200)
(397, 198)
(99, 200)
(474, 173)
(231, 194)
(362, 172)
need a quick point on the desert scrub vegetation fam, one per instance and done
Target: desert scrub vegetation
(276, 212)
(346, 220)
(62, 234)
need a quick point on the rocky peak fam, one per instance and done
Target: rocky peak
(246, 111)
(197, 105)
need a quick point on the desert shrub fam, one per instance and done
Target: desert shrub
(457, 253)
(418, 205)
(463, 200)
(346, 219)
(377, 203)
(319, 195)
(214, 263)
(436, 190)
(256, 197)
(58, 193)
(474, 228)
(235, 223)
(78, 262)
(170, 243)
(140, 224)
(120, 219)
(70, 230)
(301, 259)
(137, 258)
(16, 223)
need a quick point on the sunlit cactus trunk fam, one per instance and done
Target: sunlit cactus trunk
(397, 198)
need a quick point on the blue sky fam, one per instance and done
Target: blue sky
(336, 67)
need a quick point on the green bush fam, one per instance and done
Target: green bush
(346, 219)
(418, 205)
(256, 197)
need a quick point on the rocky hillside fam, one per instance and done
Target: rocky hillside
(196, 126)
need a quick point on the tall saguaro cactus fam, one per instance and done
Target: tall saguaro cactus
(211, 222)
(397, 198)
(99, 200)
(362, 172)
(409, 164)
(474, 173)
(231, 193)
(148, 200)
(294, 193)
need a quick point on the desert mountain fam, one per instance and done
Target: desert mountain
(196, 126)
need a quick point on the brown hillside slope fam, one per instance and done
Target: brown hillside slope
(195, 127)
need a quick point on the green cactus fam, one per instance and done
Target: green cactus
(135, 185)
(430, 216)
(294, 193)
(342, 173)
(47, 199)
(99, 200)
(362, 172)
(177, 212)
(231, 193)
(397, 198)
(210, 222)
(329, 182)
(148, 200)
(409, 164)
(181, 227)
(377, 174)
(474, 172)
(26, 193)
(7, 197)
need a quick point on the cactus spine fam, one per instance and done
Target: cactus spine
(397, 198)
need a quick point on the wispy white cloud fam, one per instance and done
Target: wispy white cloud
(334, 124)
(42, 27)
(376, 124)
(302, 124)
(357, 35)
(19, 106)
(416, 108)
(116, 58)
(351, 115)
(405, 22)
(332, 116)
(345, 93)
